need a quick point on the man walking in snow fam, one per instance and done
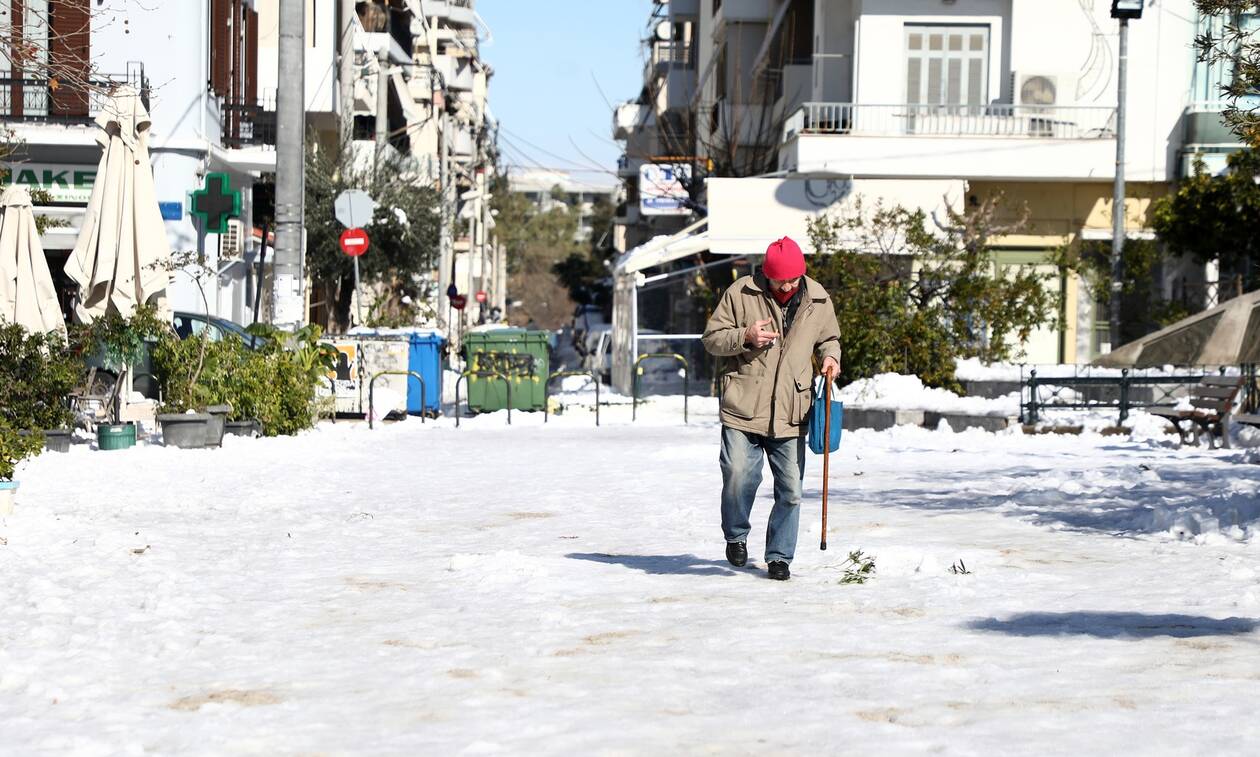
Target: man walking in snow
(769, 327)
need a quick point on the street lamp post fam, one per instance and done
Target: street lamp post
(1123, 10)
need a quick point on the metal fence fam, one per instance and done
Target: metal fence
(1132, 389)
(46, 99)
(993, 120)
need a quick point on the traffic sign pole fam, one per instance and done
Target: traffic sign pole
(358, 296)
(354, 242)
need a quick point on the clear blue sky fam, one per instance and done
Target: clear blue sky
(547, 58)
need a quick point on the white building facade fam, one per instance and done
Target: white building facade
(209, 72)
(938, 103)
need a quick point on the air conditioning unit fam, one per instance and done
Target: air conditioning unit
(1044, 89)
(232, 240)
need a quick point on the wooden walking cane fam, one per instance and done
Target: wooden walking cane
(826, 456)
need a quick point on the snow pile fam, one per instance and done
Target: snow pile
(368, 331)
(973, 369)
(523, 589)
(894, 391)
(577, 384)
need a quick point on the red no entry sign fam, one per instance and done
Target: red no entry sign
(354, 242)
(481, 296)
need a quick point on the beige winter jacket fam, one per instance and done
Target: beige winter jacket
(767, 391)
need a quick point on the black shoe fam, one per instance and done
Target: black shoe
(736, 553)
(779, 570)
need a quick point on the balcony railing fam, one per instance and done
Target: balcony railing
(994, 120)
(676, 54)
(44, 100)
(248, 124)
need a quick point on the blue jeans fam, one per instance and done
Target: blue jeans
(741, 475)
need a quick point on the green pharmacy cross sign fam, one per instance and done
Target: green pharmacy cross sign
(215, 203)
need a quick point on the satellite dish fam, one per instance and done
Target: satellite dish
(664, 31)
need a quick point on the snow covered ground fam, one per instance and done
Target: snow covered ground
(560, 589)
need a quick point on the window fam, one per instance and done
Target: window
(947, 65)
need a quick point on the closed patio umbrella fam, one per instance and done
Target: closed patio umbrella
(122, 243)
(27, 295)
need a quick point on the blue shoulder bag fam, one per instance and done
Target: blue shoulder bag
(818, 439)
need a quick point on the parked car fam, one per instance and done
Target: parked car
(186, 325)
(192, 324)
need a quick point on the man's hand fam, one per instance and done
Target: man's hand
(756, 336)
(830, 368)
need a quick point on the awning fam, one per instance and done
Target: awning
(745, 215)
(247, 160)
(664, 249)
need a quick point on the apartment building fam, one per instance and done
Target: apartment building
(796, 107)
(195, 64)
(434, 118)
(548, 189)
(208, 72)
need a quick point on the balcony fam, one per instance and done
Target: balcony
(671, 55)
(741, 12)
(632, 117)
(41, 100)
(996, 141)
(249, 124)
(1205, 125)
(456, 73)
(684, 10)
(453, 12)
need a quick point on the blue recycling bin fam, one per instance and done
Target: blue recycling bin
(425, 358)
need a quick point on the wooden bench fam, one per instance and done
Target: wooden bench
(1247, 419)
(1212, 400)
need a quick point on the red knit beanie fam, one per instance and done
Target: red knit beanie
(784, 260)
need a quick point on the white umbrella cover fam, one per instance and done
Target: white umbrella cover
(27, 295)
(122, 243)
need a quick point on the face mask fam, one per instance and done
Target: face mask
(784, 297)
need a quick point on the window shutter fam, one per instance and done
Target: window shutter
(69, 52)
(251, 56)
(220, 47)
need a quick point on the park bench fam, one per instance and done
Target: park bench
(1247, 419)
(1211, 400)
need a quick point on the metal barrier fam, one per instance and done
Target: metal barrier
(486, 374)
(562, 374)
(1251, 398)
(1166, 386)
(638, 371)
(332, 382)
(372, 392)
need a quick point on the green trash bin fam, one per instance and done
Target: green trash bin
(519, 355)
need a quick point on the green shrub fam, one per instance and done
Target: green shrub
(912, 300)
(190, 380)
(278, 379)
(15, 447)
(37, 374)
(274, 384)
(121, 340)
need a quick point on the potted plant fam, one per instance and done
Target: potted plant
(37, 374)
(194, 373)
(14, 448)
(121, 343)
(196, 376)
